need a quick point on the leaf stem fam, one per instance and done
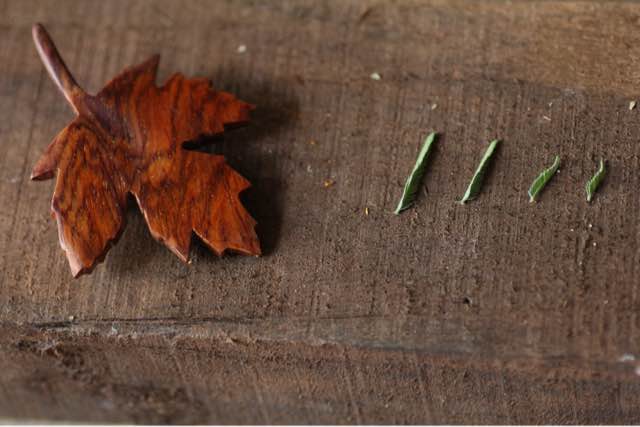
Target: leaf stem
(57, 69)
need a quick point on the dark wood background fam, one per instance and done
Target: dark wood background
(495, 312)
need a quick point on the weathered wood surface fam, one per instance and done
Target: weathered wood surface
(498, 311)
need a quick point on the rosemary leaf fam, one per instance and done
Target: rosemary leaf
(541, 181)
(478, 177)
(594, 182)
(413, 181)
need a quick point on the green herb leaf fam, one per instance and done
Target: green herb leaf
(541, 181)
(413, 181)
(594, 182)
(478, 177)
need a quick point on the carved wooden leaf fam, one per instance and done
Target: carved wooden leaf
(128, 139)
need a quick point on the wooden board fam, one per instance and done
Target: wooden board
(494, 312)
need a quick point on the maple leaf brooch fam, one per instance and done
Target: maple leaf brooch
(128, 139)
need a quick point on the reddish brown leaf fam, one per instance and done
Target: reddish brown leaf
(128, 139)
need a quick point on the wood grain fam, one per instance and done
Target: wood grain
(498, 311)
(128, 139)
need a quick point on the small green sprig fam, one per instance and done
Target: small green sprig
(541, 181)
(594, 182)
(478, 177)
(412, 185)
